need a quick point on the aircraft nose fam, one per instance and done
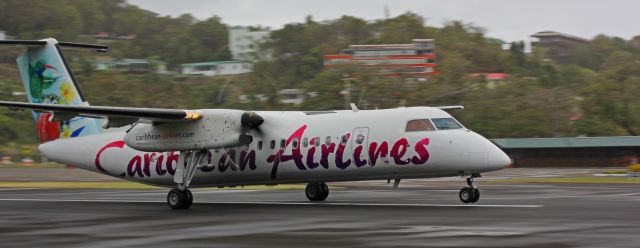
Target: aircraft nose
(497, 159)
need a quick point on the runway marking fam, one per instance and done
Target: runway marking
(285, 203)
(12, 189)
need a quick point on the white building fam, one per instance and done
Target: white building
(217, 68)
(244, 43)
(292, 96)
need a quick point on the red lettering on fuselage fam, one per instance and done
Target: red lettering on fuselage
(240, 160)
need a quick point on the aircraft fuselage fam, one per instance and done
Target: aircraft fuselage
(296, 147)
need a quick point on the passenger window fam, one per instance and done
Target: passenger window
(344, 139)
(260, 145)
(295, 143)
(273, 144)
(282, 143)
(419, 125)
(446, 123)
(327, 141)
(317, 141)
(305, 142)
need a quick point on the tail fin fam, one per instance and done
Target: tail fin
(47, 78)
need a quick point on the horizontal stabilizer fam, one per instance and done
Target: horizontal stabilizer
(101, 48)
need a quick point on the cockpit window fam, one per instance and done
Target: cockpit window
(419, 125)
(446, 123)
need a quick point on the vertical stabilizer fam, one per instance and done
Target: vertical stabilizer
(47, 78)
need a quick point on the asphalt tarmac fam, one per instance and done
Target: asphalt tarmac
(507, 215)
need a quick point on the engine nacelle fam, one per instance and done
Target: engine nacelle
(216, 129)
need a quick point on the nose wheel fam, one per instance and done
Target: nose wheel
(317, 191)
(470, 194)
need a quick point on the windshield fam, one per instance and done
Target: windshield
(446, 123)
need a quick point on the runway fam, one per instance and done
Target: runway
(507, 215)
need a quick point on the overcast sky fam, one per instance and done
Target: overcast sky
(504, 19)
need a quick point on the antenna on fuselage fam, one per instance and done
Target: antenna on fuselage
(353, 107)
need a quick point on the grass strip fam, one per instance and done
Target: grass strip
(629, 180)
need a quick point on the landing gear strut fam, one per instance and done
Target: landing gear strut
(181, 197)
(470, 194)
(317, 191)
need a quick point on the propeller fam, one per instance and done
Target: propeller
(249, 120)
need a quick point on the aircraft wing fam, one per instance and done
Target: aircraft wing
(122, 115)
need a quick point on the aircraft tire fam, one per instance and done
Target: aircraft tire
(466, 195)
(190, 197)
(325, 191)
(476, 195)
(316, 192)
(177, 199)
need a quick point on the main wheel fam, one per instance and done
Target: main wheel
(178, 199)
(190, 197)
(466, 195)
(316, 191)
(325, 191)
(476, 195)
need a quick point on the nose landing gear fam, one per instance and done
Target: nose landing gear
(470, 194)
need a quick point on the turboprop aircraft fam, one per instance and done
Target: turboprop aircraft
(181, 148)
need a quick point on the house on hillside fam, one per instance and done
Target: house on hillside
(492, 78)
(416, 58)
(292, 96)
(139, 66)
(108, 37)
(559, 45)
(216, 68)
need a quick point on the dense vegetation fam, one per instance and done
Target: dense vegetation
(595, 94)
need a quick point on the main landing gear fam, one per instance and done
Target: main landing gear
(470, 194)
(317, 191)
(180, 197)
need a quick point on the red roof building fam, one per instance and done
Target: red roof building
(417, 58)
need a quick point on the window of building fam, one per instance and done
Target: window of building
(446, 123)
(419, 125)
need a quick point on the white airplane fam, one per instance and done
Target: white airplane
(227, 147)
